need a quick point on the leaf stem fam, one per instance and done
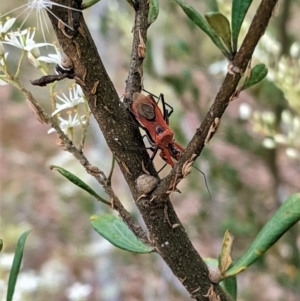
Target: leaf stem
(20, 63)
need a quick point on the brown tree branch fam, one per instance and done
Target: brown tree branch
(225, 94)
(134, 82)
(165, 230)
(68, 145)
(99, 175)
(179, 253)
(283, 32)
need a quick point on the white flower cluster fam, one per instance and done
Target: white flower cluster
(40, 7)
(23, 39)
(75, 98)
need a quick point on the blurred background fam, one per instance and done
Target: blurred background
(251, 164)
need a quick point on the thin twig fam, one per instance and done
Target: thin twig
(92, 170)
(113, 161)
(227, 89)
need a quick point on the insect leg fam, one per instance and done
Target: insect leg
(153, 147)
(166, 113)
(166, 156)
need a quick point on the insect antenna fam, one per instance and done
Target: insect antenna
(205, 180)
(162, 168)
(133, 123)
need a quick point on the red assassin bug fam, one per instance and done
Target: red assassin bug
(156, 125)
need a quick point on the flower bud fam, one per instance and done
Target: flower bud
(36, 52)
(33, 60)
(2, 50)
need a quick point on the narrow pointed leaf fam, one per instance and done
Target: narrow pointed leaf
(1, 245)
(196, 18)
(153, 11)
(220, 24)
(230, 287)
(13, 276)
(75, 180)
(258, 73)
(286, 216)
(117, 233)
(238, 13)
(225, 258)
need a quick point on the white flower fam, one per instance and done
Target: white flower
(293, 153)
(295, 50)
(2, 50)
(75, 98)
(218, 67)
(2, 82)
(28, 281)
(33, 60)
(7, 25)
(52, 58)
(3, 58)
(40, 7)
(245, 111)
(23, 40)
(67, 125)
(6, 261)
(78, 291)
(269, 143)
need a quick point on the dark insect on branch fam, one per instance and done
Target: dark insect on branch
(62, 73)
(156, 124)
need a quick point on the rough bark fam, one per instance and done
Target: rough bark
(172, 243)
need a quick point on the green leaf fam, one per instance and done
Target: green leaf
(75, 180)
(212, 5)
(220, 24)
(286, 216)
(230, 287)
(1, 245)
(16, 266)
(238, 13)
(196, 18)
(116, 232)
(153, 11)
(258, 73)
(225, 258)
